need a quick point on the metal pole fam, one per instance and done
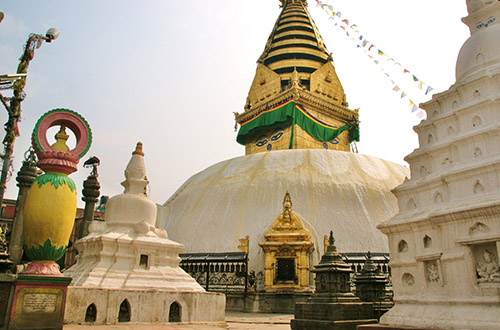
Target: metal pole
(14, 108)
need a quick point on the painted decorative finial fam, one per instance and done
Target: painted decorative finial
(287, 208)
(287, 202)
(49, 212)
(61, 138)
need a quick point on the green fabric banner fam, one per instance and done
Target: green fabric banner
(289, 113)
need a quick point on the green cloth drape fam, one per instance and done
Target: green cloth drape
(288, 114)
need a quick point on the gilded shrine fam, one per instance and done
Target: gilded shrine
(287, 246)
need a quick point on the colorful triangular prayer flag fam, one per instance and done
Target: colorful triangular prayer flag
(429, 88)
(380, 52)
(406, 71)
(420, 84)
(415, 108)
(370, 47)
(415, 78)
(403, 94)
(396, 88)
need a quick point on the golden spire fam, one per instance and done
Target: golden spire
(295, 65)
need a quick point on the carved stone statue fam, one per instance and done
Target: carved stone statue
(433, 273)
(488, 271)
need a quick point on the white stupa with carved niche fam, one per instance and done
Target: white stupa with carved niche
(445, 241)
(127, 270)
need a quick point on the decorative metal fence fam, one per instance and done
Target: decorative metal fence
(357, 261)
(221, 272)
(228, 272)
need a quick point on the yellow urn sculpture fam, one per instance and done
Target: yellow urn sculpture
(50, 209)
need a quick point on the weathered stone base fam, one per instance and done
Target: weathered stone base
(146, 306)
(265, 302)
(477, 315)
(38, 302)
(332, 316)
(326, 325)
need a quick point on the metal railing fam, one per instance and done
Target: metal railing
(220, 272)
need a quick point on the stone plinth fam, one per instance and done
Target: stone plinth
(332, 306)
(386, 327)
(146, 306)
(39, 302)
(339, 315)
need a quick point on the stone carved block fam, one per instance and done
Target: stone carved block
(486, 262)
(432, 272)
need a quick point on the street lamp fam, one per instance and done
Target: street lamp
(17, 82)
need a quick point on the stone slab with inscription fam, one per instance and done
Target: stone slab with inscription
(38, 302)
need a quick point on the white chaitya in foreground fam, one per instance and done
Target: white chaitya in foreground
(127, 258)
(331, 190)
(445, 241)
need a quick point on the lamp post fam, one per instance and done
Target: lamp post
(12, 104)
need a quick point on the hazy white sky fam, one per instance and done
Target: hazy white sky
(170, 74)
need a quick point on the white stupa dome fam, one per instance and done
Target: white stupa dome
(481, 51)
(331, 190)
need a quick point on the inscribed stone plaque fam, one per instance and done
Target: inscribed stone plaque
(39, 303)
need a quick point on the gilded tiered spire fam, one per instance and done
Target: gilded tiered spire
(295, 66)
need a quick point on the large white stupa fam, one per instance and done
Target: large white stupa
(127, 270)
(296, 128)
(331, 190)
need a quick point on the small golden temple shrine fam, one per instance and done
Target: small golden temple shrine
(296, 100)
(287, 246)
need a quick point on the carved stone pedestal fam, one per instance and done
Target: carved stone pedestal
(333, 306)
(345, 315)
(38, 302)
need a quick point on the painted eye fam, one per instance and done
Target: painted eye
(480, 25)
(491, 19)
(261, 141)
(335, 141)
(277, 136)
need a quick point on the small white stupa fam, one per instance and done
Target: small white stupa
(128, 270)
